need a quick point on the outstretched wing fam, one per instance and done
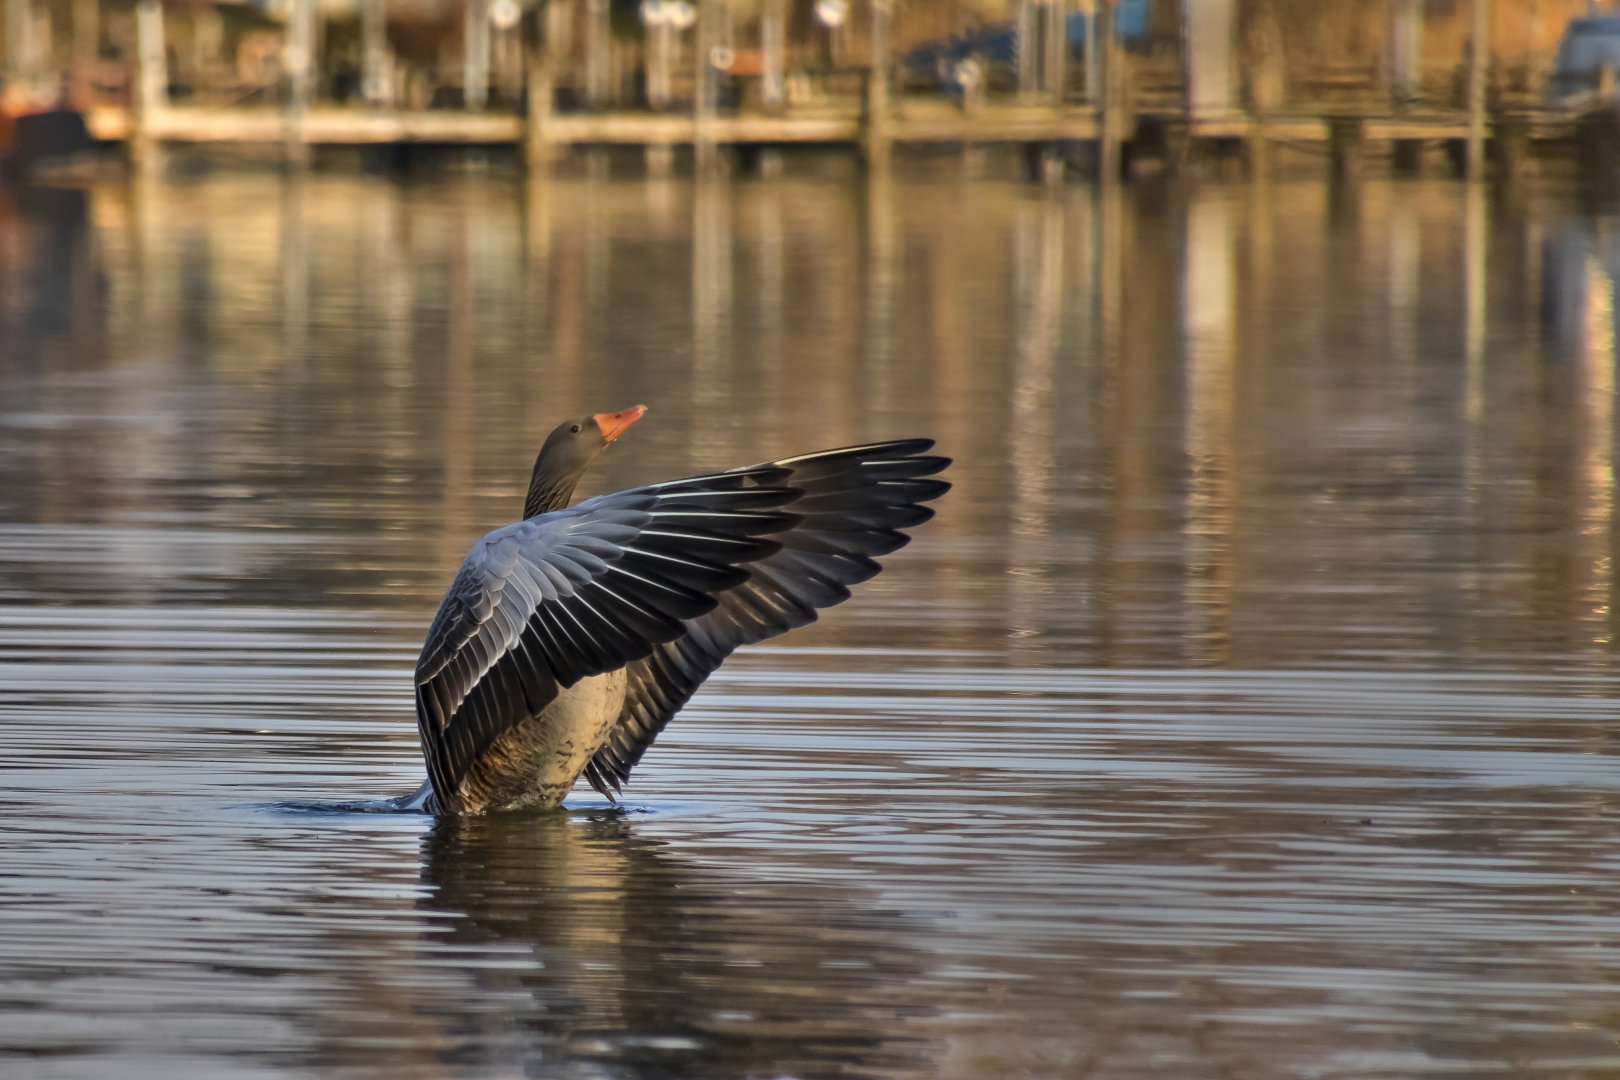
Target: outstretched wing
(543, 603)
(853, 503)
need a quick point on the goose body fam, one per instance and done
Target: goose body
(568, 640)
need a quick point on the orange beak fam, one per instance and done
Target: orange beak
(614, 423)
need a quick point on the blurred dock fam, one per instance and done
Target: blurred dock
(1106, 87)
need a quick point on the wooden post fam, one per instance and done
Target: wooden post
(536, 133)
(597, 43)
(1027, 48)
(1346, 146)
(704, 158)
(1409, 156)
(1211, 27)
(660, 62)
(475, 55)
(376, 68)
(1479, 58)
(152, 63)
(300, 76)
(878, 141)
(1057, 50)
(1406, 48)
(1111, 70)
(1094, 86)
(151, 79)
(773, 54)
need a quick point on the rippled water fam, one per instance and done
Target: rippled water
(1247, 711)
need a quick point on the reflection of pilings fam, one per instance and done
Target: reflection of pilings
(1596, 456)
(711, 299)
(460, 330)
(1475, 496)
(1405, 275)
(1208, 311)
(294, 258)
(537, 226)
(1038, 297)
(883, 283)
(770, 288)
(390, 273)
(1474, 256)
(1107, 294)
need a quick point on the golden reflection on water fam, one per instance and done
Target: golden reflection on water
(1180, 416)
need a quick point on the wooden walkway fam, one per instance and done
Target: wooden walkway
(910, 121)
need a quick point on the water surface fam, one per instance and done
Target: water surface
(1248, 709)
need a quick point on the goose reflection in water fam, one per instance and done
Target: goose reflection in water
(647, 964)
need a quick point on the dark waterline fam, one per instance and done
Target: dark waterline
(1247, 710)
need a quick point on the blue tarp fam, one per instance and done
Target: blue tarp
(1588, 46)
(998, 42)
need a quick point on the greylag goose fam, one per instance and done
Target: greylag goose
(568, 640)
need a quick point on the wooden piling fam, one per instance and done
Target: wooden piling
(597, 45)
(1406, 51)
(1177, 133)
(1026, 48)
(1479, 56)
(877, 139)
(1409, 156)
(376, 67)
(537, 146)
(1055, 66)
(1347, 146)
(151, 80)
(300, 54)
(475, 55)
(773, 54)
(705, 157)
(1111, 79)
(1211, 55)
(660, 63)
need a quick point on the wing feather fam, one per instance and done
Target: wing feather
(851, 504)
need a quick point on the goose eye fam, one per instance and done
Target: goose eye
(574, 428)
